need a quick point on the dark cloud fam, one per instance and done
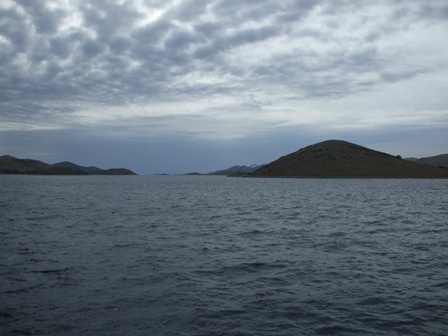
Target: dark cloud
(433, 10)
(108, 18)
(14, 30)
(43, 19)
(189, 11)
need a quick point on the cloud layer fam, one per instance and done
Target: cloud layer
(221, 69)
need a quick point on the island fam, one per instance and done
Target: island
(342, 159)
(12, 165)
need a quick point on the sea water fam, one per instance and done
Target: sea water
(208, 255)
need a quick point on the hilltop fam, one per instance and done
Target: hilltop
(337, 158)
(12, 165)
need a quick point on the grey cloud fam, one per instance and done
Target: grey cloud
(44, 20)
(181, 39)
(209, 28)
(119, 44)
(245, 36)
(89, 64)
(92, 48)
(279, 12)
(112, 59)
(311, 75)
(397, 75)
(251, 10)
(107, 18)
(62, 47)
(294, 11)
(153, 33)
(189, 10)
(252, 35)
(432, 9)
(14, 29)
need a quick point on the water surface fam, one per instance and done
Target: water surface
(207, 255)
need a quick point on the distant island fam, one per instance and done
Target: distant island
(331, 158)
(435, 161)
(11, 165)
(237, 170)
(342, 159)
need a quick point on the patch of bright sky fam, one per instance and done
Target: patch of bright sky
(152, 14)
(6, 4)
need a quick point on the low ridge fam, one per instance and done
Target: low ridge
(71, 165)
(235, 170)
(337, 158)
(435, 161)
(11, 165)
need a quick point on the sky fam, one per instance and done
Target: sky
(161, 86)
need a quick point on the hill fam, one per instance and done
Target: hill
(435, 161)
(74, 166)
(236, 170)
(11, 165)
(336, 158)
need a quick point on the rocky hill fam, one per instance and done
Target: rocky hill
(336, 158)
(11, 165)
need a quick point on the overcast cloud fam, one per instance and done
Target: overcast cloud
(219, 82)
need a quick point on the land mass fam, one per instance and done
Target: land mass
(237, 170)
(12, 165)
(435, 161)
(342, 159)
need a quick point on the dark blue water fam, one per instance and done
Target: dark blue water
(190, 255)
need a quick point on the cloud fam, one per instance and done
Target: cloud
(220, 69)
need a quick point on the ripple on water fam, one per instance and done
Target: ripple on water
(222, 256)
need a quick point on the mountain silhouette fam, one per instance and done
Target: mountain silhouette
(337, 158)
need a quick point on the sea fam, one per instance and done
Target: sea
(214, 255)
